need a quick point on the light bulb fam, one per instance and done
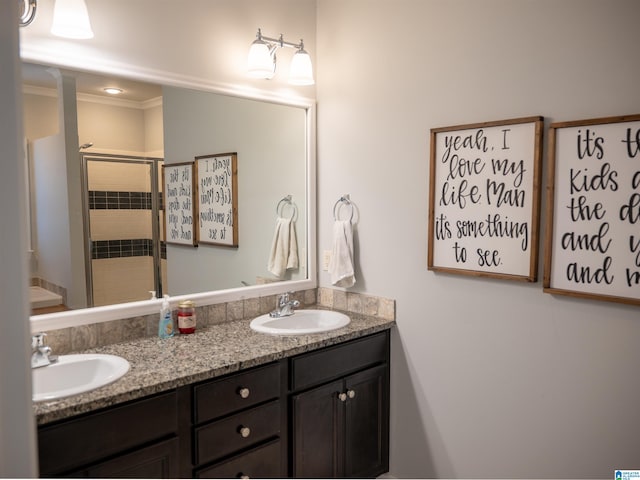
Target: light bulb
(301, 71)
(71, 19)
(260, 63)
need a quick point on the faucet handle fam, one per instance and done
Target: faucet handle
(283, 298)
(41, 353)
(37, 340)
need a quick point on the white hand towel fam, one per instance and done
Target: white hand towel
(284, 248)
(341, 265)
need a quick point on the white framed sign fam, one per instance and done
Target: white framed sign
(592, 245)
(484, 198)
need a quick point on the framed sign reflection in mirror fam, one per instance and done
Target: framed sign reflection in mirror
(178, 203)
(217, 199)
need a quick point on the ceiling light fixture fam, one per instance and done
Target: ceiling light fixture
(113, 90)
(71, 19)
(261, 61)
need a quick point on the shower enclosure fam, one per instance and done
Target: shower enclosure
(125, 253)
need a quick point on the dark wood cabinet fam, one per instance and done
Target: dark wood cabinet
(157, 461)
(367, 423)
(341, 428)
(323, 413)
(239, 424)
(263, 461)
(317, 418)
(136, 439)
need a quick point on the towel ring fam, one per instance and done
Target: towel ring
(343, 200)
(282, 203)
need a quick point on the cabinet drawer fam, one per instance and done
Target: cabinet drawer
(81, 441)
(221, 397)
(225, 436)
(316, 367)
(261, 462)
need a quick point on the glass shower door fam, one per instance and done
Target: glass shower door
(122, 228)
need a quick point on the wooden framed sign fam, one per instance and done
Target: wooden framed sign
(178, 191)
(592, 244)
(484, 198)
(217, 199)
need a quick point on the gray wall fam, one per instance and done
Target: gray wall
(490, 378)
(270, 142)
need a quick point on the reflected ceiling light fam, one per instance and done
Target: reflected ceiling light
(261, 61)
(71, 19)
(113, 90)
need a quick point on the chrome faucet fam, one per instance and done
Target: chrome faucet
(41, 353)
(285, 306)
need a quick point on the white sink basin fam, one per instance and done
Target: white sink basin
(73, 374)
(302, 322)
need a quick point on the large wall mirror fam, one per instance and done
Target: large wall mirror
(123, 143)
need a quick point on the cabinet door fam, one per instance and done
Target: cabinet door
(318, 416)
(89, 439)
(367, 423)
(157, 461)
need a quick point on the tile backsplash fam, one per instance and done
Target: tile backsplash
(72, 339)
(357, 303)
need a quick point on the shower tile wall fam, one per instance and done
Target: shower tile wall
(121, 231)
(124, 279)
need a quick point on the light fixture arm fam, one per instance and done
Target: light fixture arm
(279, 42)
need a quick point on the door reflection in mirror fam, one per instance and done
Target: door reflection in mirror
(126, 254)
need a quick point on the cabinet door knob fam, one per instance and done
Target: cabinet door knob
(244, 392)
(244, 431)
(351, 393)
(342, 397)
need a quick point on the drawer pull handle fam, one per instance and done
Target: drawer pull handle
(242, 475)
(244, 431)
(244, 392)
(342, 397)
(351, 393)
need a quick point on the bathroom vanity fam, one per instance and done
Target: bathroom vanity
(238, 404)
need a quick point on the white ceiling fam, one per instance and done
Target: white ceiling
(93, 84)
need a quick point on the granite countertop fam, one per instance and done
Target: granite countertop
(159, 365)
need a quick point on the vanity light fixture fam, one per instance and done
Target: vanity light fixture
(27, 11)
(261, 61)
(71, 19)
(113, 90)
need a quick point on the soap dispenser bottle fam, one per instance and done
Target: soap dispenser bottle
(165, 325)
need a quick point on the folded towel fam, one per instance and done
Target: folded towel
(284, 248)
(341, 265)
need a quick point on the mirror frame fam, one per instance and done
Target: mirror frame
(73, 318)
